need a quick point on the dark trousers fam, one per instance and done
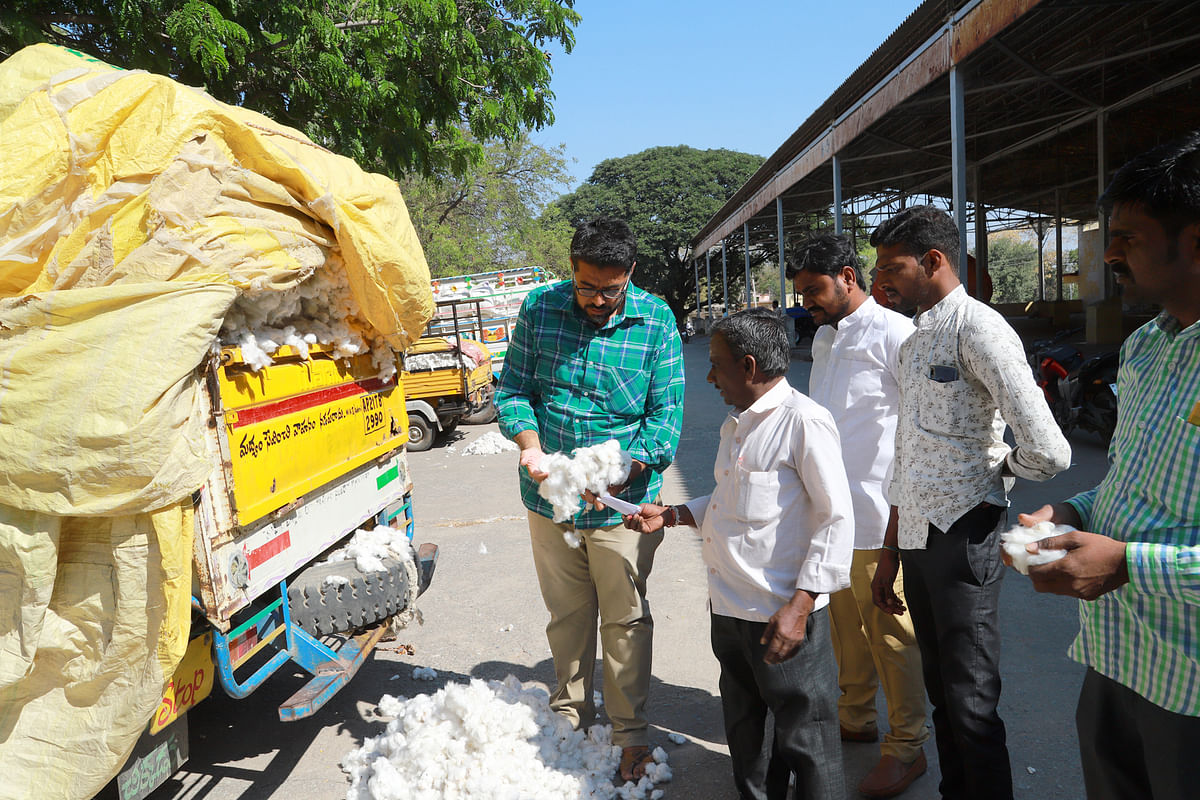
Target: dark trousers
(802, 695)
(953, 593)
(1132, 749)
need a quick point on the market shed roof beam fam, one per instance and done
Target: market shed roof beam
(1027, 134)
(969, 28)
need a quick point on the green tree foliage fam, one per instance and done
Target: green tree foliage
(389, 83)
(492, 217)
(1012, 263)
(666, 194)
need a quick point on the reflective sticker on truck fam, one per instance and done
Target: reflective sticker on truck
(273, 547)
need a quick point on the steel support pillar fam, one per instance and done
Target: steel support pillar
(1101, 184)
(1058, 251)
(782, 256)
(981, 237)
(696, 283)
(746, 248)
(958, 163)
(724, 281)
(837, 195)
(708, 286)
(1041, 233)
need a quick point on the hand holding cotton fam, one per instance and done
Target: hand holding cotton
(591, 469)
(1014, 540)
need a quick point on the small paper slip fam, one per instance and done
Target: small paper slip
(617, 504)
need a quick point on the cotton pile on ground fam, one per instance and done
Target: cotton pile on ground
(1014, 541)
(593, 468)
(319, 309)
(489, 741)
(489, 444)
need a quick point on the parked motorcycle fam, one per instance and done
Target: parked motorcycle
(1081, 392)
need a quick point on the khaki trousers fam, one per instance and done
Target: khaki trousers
(605, 578)
(873, 647)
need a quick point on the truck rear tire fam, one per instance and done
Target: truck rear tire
(420, 433)
(370, 597)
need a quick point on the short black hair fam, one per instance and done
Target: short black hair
(825, 253)
(758, 332)
(918, 230)
(1164, 182)
(604, 242)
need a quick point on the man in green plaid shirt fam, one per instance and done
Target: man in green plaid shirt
(592, 359)
(1138, 569)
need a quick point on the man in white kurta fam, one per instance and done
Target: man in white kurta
(856, 357)
(777, 535)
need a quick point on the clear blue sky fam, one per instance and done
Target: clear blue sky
(738, 75)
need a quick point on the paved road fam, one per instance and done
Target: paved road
(469, 505)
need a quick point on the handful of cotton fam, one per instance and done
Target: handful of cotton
(1013, 541)
(592, 469)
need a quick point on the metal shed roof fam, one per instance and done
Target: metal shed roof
(1042, 79)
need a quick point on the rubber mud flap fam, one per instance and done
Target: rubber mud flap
(370, 597)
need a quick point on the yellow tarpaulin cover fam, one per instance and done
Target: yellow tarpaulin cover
(133, 212)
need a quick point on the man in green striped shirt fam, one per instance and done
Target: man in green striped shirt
(592, 359)
(1135, 560)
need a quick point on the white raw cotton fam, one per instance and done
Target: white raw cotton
(1014, 540)
(319, 309)
(592, 468)
(335, 580)
(368, 548)
(495, 741)
(424, 674)
(489, 443)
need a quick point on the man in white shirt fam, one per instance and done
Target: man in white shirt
(778, 532)
(856, 357)
(963, 376)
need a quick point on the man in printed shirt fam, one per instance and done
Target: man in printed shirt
(592, 359)
(1138, 569)
(963, 376)
(777, 537)
(856, 361)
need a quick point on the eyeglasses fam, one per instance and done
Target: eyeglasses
(607, 294)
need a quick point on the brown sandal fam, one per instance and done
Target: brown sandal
(634, 761)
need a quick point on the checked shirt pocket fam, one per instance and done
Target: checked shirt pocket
(624, 390)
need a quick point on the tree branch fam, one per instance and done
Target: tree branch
(453, 204)
(351, 25)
